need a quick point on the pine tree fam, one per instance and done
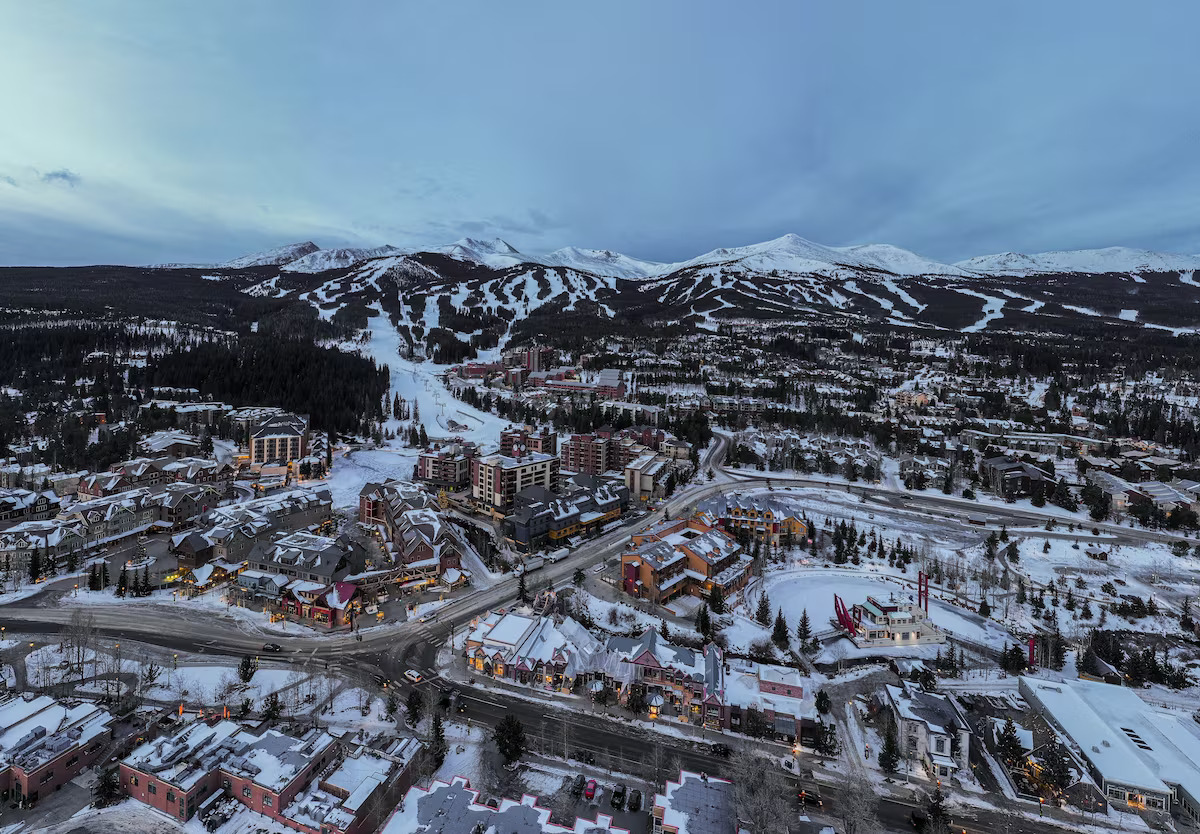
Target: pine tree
(246, 669)
(522, 591)
(437, 741)
(663, 630)
(823, 702)
(146, 587)
(414, 706)
(1008, 743)
(122, 583)
(103, 575)
(804, 627)
(72, 561)
(889, 756)
(763, 614)
(703, 623)
(716, 600)
(985, 608)
(509, 736)
(35, 565)
(780, 633)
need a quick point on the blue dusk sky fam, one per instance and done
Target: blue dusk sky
(144, 132)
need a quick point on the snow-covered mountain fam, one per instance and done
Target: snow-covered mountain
(602, 262)
(274, 257)
(1113, 259)
(496, 253)
(795, 255)
(321, 260)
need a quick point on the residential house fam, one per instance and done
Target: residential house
(930, 729)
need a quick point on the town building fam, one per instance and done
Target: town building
(695, 802)
(1143, 758)
(684, 556)
(419, 544)
(1011, 478)
(550, 654)
(17, 505)
(45, 743)
(521, 440)
(496, 479)
(453, 808)
(898, 621)
(308, 783)
(446, 466)
(541, 518)
(756, 517)
(930, 729)
(587, 453)
(279, 439)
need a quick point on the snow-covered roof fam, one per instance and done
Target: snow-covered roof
(697, 804)
(1126, 740)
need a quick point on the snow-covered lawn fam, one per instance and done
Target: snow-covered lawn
(615, 616)
(814, 588)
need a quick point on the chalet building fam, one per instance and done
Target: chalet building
(45, 743)
(1013, 478)
(541, 518)
(17, 505)
(760, 518)
(419, 544)
(496, 479)
(685, 556)
(234, 530)
(169, 443)
(540, 651)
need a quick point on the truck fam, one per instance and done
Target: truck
(558, 555)
(530, 563)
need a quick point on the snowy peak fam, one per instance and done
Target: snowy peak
(324, 259)
(274, 257)
(794, 254)
(602, 262)
(1090, 261)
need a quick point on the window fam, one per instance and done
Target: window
(267, 801)
(246, 791)
(153, 788)
(170, 796)
(74, 760)
(225, 784)
(133, 780)
(47, 777)
(940, 745)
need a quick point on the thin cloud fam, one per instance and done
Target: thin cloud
(62, 176)
(8, 181)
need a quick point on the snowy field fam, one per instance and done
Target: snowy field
(797, 590)
(415, 382)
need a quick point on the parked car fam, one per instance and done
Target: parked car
(919, 819)
(577, 784)
(272, 647)
(413, 675)
(635, 801)
(721, 750)
(618, 797)
(589, 791)
(809, 794)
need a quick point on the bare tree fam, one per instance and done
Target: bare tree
(80, 635)
(856, 806)
(758, 785)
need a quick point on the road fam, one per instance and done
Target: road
(391, 650)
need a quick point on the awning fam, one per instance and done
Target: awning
(785, 725)
(943, 761)
(655, 700)
(596, 686)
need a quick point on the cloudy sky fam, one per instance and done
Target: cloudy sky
(148, 132)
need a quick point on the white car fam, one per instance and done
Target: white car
(413, 675)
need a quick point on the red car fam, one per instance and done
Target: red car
(589, 792)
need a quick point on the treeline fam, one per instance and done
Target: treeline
(341, 392)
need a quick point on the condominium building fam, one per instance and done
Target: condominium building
(496, 479)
